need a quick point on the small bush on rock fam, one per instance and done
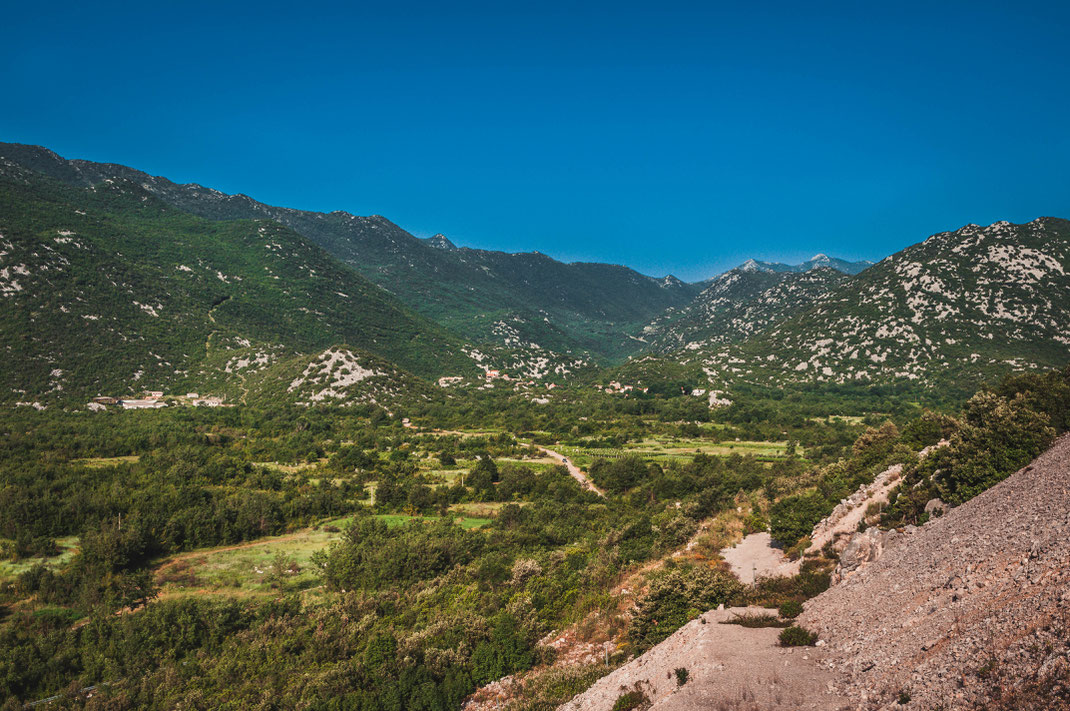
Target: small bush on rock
(630, 700)
(796, 636)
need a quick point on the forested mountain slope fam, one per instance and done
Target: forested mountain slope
(518, 300)
(108, 290)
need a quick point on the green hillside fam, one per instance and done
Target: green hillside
(108, 290)
(954, 310)
(739, 304)
(526, 300)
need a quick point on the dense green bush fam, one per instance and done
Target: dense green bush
(790, 610)
(676, 596)
(796, 636)
(999, 432)
(794, 517)
(506, 652)
(372, 555)
(997, 437)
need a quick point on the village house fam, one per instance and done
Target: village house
(207, 402)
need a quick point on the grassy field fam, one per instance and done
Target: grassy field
(848, 419)
(68, 547)
(266, 566)
(248, 569)
(478, 513)
(290, 468)
(667, 449)
(466, 521)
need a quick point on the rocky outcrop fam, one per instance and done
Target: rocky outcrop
(839, 526)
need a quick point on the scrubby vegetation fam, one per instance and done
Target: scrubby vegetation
(790, 610)
(1000, 430)
(342, 559)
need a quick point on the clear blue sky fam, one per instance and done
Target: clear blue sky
(672, 137)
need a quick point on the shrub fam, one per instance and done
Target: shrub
(630, 700)
(998, 437)
(790, 609)
(506, 652)
(814, 577)
(754, 523)
(756, 620)
(556, 686)
(794, 517)
(676, 596)
(681, 675)
(796, 636)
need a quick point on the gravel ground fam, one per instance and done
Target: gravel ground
(731, 668)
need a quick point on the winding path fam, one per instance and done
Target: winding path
(573, 470)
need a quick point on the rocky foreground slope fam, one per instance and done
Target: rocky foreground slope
(970, 610)
(730, 668)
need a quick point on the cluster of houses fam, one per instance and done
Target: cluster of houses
(490, 376)
(154, 399)
(616, 387)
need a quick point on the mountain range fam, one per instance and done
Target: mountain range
(818, 261)
(112, 280)
(957, 309)
(516, 300)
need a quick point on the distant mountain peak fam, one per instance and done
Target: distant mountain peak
(440, 241)
(820, 260)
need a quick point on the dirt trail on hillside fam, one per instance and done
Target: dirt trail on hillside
(729, 667)
(576, 473)
(755, 557)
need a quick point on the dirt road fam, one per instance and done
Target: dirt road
(575, 471)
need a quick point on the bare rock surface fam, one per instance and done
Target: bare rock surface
(729, 667)
(978, 593)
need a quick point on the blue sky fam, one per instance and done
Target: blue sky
(672, 137)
